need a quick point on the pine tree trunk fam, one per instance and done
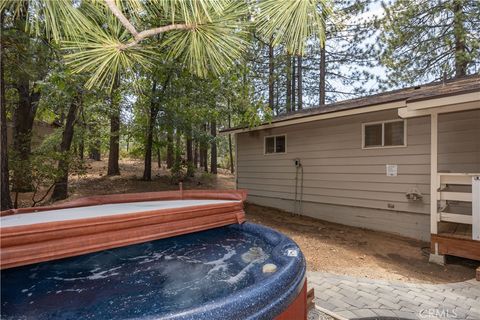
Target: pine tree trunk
(189, 146)
(147, 165)
(159, 159)
(60, 191)
(23, 116)
(322, 88)
(300, 82)
(6, 201)
(270, 77)
(230, 148)
(195, 154)
(294, 84)
(178, 150)
(277, 97)
(147, 170)
(213, 147)
(204, 151)
(200, 155)
(205, 158)
(289, 83)
(114, 150)
(23, 119)
(169, 149)
(94, 151)
(94, 145)
(81, 147)
(461, 61)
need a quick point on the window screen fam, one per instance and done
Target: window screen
(270, 145)
(384, 134)
(275, 144)
(373, 135)
(394, 133)
(280, 144)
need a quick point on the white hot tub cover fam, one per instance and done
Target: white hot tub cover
(31, 235)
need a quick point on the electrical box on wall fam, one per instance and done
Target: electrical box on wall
(392, 170)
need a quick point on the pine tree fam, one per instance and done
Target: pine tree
(337, 70)
(430, 40)
(6, 201)
(114, 150)
(343, 63)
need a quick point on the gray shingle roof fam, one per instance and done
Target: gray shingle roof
(422, 92)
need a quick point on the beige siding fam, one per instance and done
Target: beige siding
(459, 142)
(338, 172)
(403, 223)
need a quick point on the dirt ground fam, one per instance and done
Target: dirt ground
(340, 249)
(327, 246)
(96, 182)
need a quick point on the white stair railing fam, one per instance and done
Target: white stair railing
(445, 195)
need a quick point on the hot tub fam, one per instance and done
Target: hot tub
(30, 235)
(237, 270)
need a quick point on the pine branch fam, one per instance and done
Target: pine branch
(140, 36)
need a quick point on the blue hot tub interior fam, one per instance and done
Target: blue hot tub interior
(201, 275)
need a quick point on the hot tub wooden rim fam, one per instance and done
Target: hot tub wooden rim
(168, 213)
(38, 242)
(84, 230)
(27, 258)
(239, 195)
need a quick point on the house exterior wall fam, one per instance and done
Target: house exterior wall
(339, 174)
(459, 142)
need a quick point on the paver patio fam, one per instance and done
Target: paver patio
(356, 298)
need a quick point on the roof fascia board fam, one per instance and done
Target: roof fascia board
(406, 112)
(329, 115)
(444, 101)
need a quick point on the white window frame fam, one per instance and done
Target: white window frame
(275, 144)
(383, 146)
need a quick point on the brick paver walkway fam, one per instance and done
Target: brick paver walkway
(354, 298)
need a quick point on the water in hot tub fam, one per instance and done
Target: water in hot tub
(152, 278)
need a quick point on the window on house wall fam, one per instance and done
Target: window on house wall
(275, 144)
(384, 134)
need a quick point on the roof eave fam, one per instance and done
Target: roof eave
(320, 116)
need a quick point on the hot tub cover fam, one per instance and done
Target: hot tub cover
(31, 235)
